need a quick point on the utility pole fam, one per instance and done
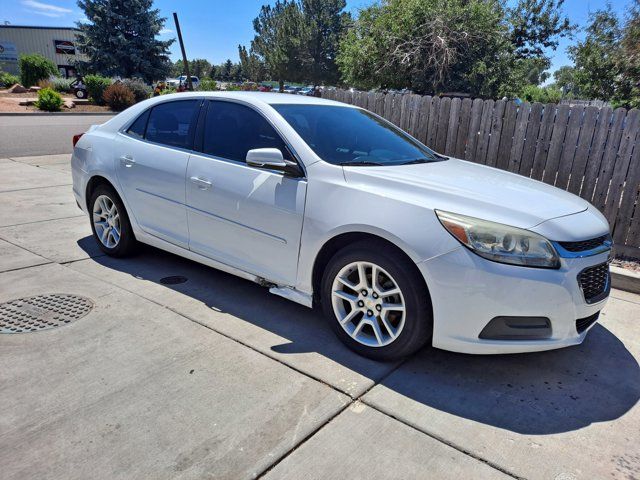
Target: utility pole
(184, 54)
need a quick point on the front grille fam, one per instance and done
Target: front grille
(595, 282)
(583, 323)
(584, 245)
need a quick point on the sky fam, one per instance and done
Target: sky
(214, 29)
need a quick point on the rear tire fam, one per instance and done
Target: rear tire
(110, 223)
(385, 319)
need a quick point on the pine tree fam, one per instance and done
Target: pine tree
(120, 39)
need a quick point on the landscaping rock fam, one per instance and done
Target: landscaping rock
(34, 89)
(17, 88)
(68, 104)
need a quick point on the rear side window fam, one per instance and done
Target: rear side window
(173, 123)
(231, 130)
(137, 128)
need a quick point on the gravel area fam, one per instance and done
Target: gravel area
(627, 264)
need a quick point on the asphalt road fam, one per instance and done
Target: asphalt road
(42, 134)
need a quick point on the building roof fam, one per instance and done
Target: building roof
(35, 27)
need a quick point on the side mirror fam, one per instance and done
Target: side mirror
(269, 158)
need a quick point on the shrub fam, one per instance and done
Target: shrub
(208, 85)
(61, 84)
(96, 85)
(49, 100)
(7, 80)
(141, 91)
(34, 67)
(533, 93)
(45, 84)
(118, 97)
(168, 90)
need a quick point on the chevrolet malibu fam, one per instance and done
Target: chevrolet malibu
(328, 204)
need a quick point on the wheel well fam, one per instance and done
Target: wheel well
(92, 184)
(341, 241)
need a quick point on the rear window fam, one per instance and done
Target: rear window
(138, 127)
(173, 123)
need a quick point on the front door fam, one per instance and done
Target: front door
(243, 216)
(151, 163)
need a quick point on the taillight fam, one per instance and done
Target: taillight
(76, 138)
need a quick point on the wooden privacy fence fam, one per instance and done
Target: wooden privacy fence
(590, 151)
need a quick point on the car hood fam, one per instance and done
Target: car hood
(470, 189)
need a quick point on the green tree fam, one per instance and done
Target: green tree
(537, 25)
(428, 45)
(628, 93)
(325, 22)
(251, 66)
(481, 47)
(596, 58)
(280, 40)
(120, 39)
(565, 80)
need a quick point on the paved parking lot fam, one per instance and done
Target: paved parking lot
(216, 378)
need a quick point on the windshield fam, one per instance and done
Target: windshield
(350, 136)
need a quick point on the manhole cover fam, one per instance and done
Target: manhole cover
(173, 280)
(42, 312)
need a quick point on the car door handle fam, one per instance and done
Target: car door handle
(202, 183)
(127, 161)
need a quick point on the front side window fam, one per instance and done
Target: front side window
(231, 130)
(350, 136)
(173, 123)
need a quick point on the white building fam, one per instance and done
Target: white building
(55, 43)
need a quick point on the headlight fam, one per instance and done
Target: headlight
(500, 243)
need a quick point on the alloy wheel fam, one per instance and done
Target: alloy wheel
(368, 304)
(106, 220)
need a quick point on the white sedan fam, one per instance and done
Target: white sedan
(328, 204)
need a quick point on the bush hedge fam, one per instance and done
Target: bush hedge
(141, 91)
(34, 67)
(207, 85)
(61, 84)
(7, 80)
(49, 100)
(118, 97)
(96, 86)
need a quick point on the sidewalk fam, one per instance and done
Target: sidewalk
(214, 377)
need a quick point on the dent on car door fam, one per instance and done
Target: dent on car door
(152, 157)
(243, 216)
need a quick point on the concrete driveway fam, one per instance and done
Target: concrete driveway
(181, 371)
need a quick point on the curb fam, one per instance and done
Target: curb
(623, 279)
(55, 114)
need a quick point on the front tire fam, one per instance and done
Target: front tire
(376, 302)
(110, 223)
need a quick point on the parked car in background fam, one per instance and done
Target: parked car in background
(175, 82)
(306, 91)
(328, 204)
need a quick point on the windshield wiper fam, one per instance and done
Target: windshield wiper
(415, 161)
(358, 163)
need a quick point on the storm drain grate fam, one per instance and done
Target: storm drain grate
(42, 312)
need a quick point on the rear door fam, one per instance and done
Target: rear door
(243, 216)
(151, 163)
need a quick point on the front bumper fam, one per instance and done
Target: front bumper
(468, 291)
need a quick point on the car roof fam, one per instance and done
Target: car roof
(269, 98)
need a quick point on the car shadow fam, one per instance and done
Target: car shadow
(535, 393)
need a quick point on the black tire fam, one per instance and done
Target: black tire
(127, 243)
(418, 322)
